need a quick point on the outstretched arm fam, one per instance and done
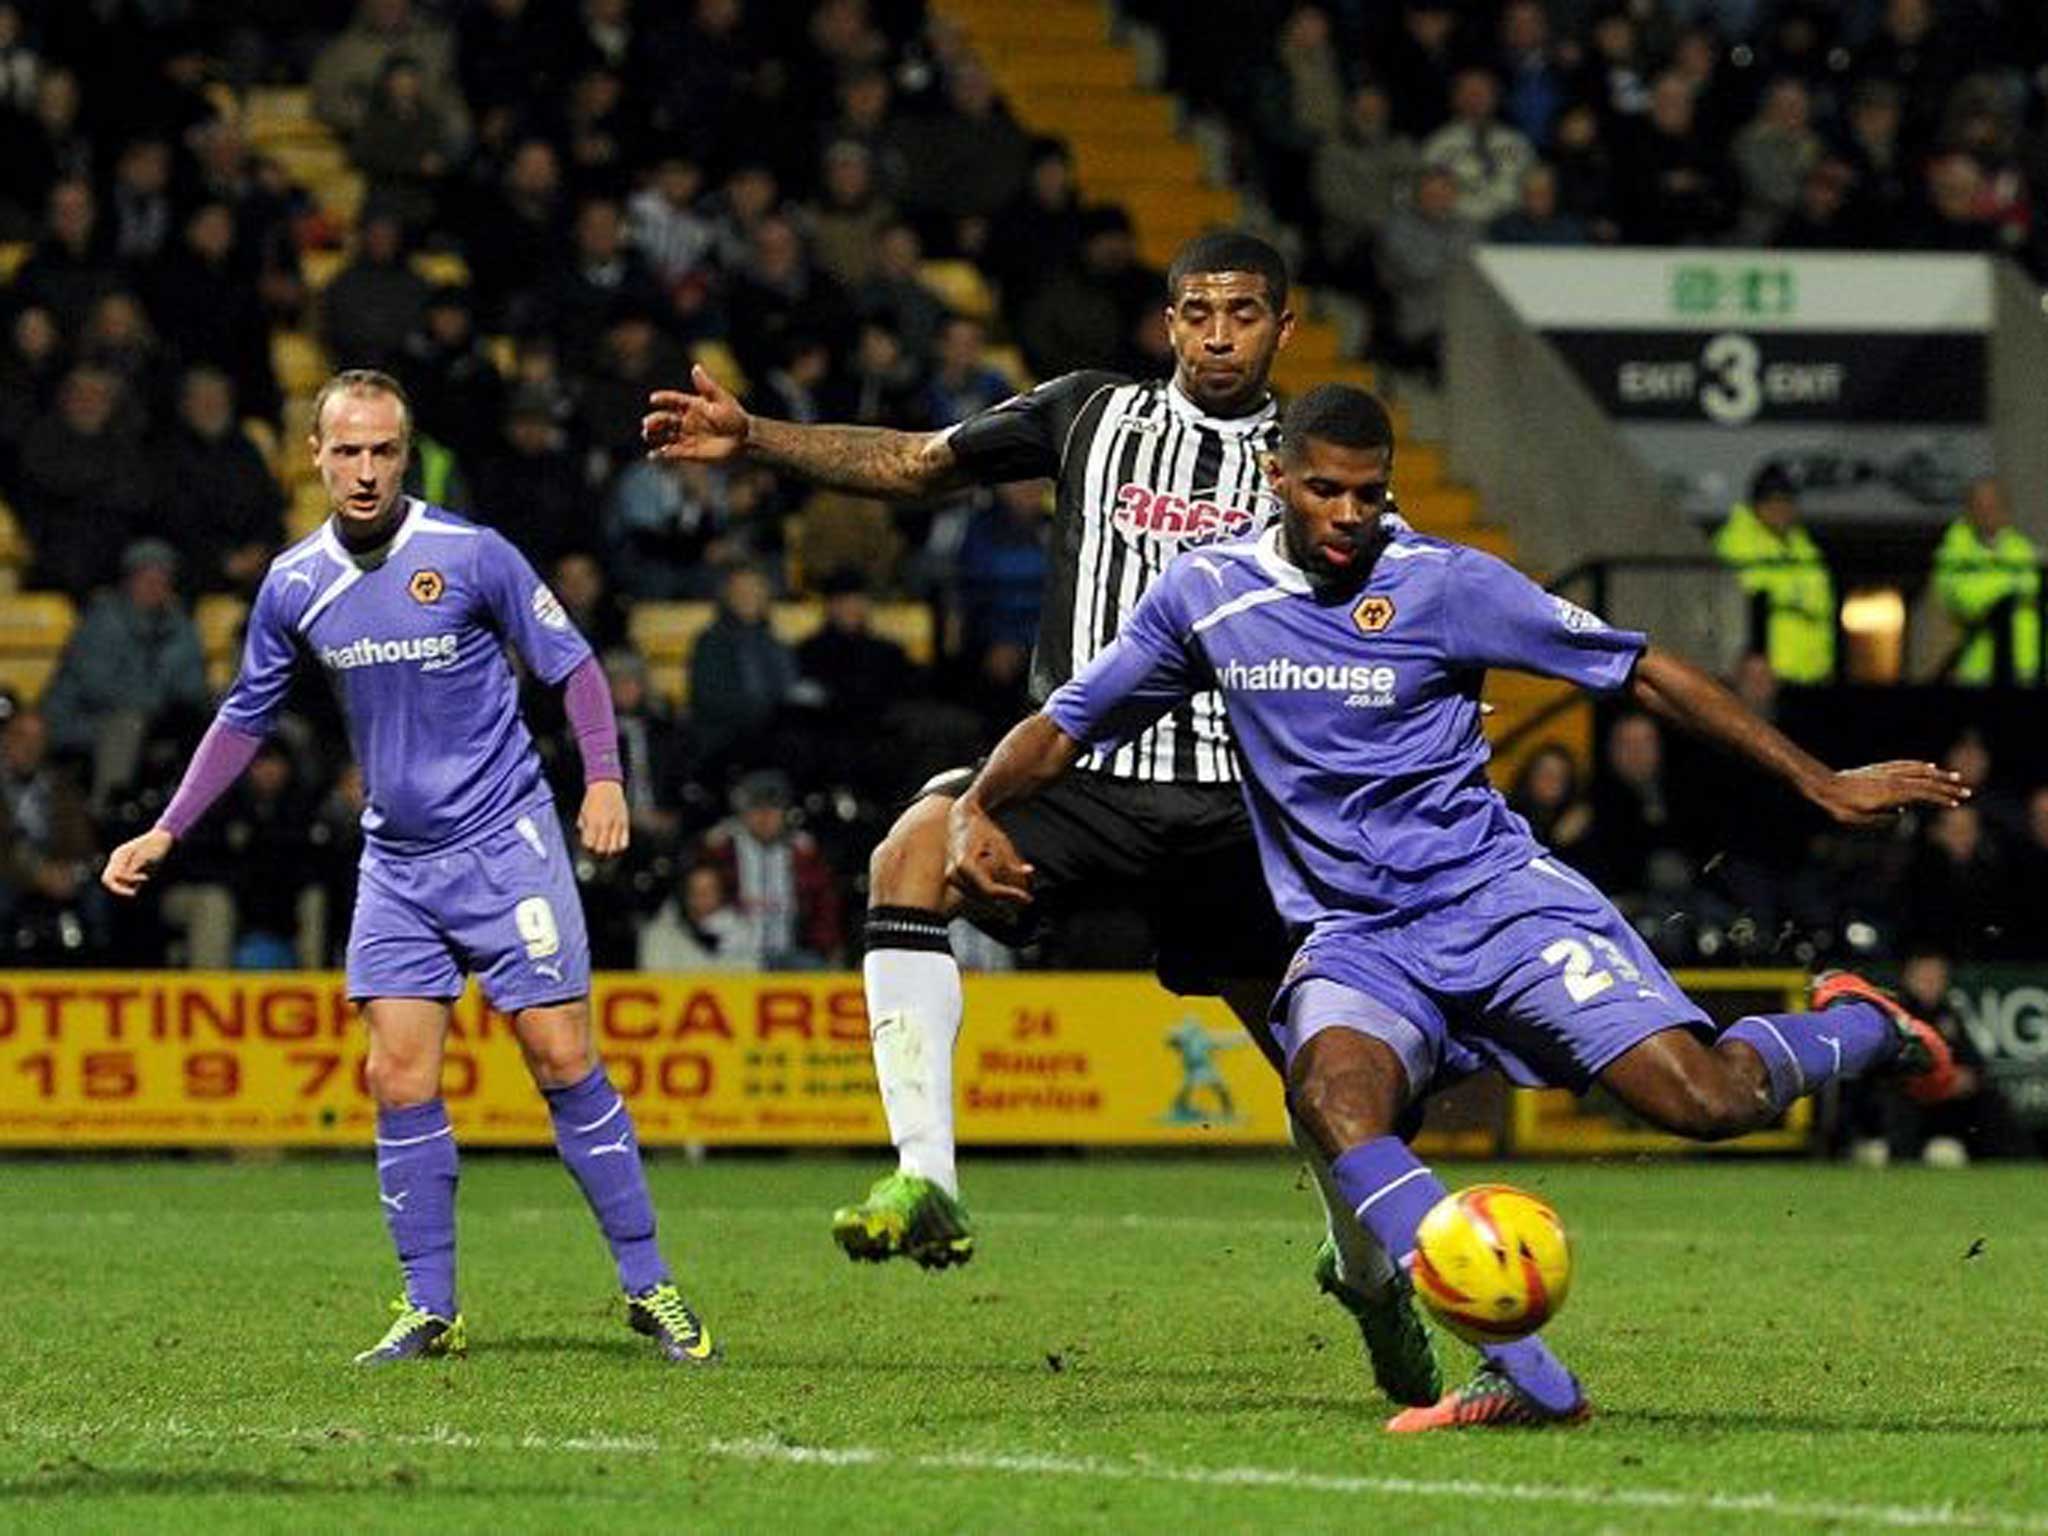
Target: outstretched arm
(706, 424)
(1681, 693)
(222, 755)
(980, 859)
(1144, 673)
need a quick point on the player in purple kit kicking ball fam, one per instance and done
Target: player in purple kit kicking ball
(464, 869)
(1435, 933)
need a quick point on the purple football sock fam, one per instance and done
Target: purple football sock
(1805, 1051)
(1392, 1190)
(416, 1173)
(594, 1131)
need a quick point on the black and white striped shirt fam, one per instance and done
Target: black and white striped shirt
(1140, 473)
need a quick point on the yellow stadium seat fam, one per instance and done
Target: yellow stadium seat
(300, 361)
(1009, 362)
(504, 354)
(264, 436)
(444, 269)
(716, 357)
(26, 676)
(33, 629)
(908, 624)
(12, 255)
(14, 545)
(960, 285)
(319, 267)
(272, 104)
(665, 633)
(341, 194)
(310, 160)
(36, 621)
(219, 618)
(309, 509)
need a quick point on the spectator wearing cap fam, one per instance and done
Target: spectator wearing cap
(1988, 577)
(347, 70)
(777, 878)
(132, 669)
(1486, 156)
(1784, 576)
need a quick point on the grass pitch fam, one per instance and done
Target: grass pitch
(1137, 1346)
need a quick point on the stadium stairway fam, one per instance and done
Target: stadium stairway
(1063, 72)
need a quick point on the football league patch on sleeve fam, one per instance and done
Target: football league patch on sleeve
(548, 608)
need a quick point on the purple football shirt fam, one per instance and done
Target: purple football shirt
(1357, 719)
(415, 647)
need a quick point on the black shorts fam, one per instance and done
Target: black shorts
(1180, 855)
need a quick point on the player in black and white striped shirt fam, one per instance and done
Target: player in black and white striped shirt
(1141, 470)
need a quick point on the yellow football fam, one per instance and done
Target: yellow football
(1492, 1262)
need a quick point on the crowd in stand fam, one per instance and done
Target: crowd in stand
(625, 182)
(1397, 133)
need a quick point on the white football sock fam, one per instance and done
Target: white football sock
(1362, 1264)
(914, 1010)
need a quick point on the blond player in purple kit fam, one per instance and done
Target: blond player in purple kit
(464, 870)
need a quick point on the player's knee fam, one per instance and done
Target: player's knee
(557, 1046)
(400, 1079)
(908, 867)
(1347, 1093)
(559, 1063)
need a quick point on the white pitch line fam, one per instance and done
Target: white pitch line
(1895, 1516)
(1037, 1464)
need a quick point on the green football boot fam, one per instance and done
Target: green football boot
(1396, 1343)
(661, 1313)
(905, 1216)
(416, 1334)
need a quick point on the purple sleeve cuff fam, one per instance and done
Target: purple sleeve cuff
(587, 700)
(223, 753)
